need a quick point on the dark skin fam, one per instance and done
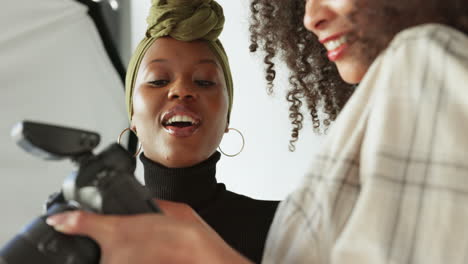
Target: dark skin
(186, 79)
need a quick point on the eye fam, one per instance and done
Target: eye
(204, 83)
(159, 83)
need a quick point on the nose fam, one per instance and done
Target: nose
(182, 90)
(317, 15)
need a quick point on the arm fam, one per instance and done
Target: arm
(178, 236)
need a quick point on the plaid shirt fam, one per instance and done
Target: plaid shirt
(391, 184)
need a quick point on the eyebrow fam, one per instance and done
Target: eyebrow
(203, 61)
(209, 61)
(157, 60)
(154, 61)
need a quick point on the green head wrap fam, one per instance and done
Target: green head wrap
(184, 20)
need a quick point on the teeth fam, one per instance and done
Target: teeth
(334, 44)
(180, 118)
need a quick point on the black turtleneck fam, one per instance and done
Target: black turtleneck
(241, 221)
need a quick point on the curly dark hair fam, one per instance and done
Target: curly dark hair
(277, 29)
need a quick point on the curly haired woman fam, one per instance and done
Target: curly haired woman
(390, 185)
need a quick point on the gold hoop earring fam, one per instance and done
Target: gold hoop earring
(242, 148)
(120, 137)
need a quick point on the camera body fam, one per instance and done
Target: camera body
(103, 183)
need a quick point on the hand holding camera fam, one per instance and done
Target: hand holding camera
(103, 184)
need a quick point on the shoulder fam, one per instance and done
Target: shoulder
(241, 221)
(418, 88)
(237, 209)
(428, 45)
(428, 33)
(230, 203)
(419, 57)
(246, 202)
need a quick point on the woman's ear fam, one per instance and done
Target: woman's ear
(227, 128)
(133, 126)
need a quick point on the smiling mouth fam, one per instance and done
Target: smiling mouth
(180, 125)
(334, 44)
(336, 47)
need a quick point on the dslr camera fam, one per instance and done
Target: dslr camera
(103, 183)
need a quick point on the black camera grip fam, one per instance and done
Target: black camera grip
(40, 243)
(126, 196)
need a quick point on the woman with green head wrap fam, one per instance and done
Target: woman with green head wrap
(180, 71)
(179, 95)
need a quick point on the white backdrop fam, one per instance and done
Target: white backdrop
(53, 68)
(265, 169)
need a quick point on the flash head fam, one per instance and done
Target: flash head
(54, 142)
